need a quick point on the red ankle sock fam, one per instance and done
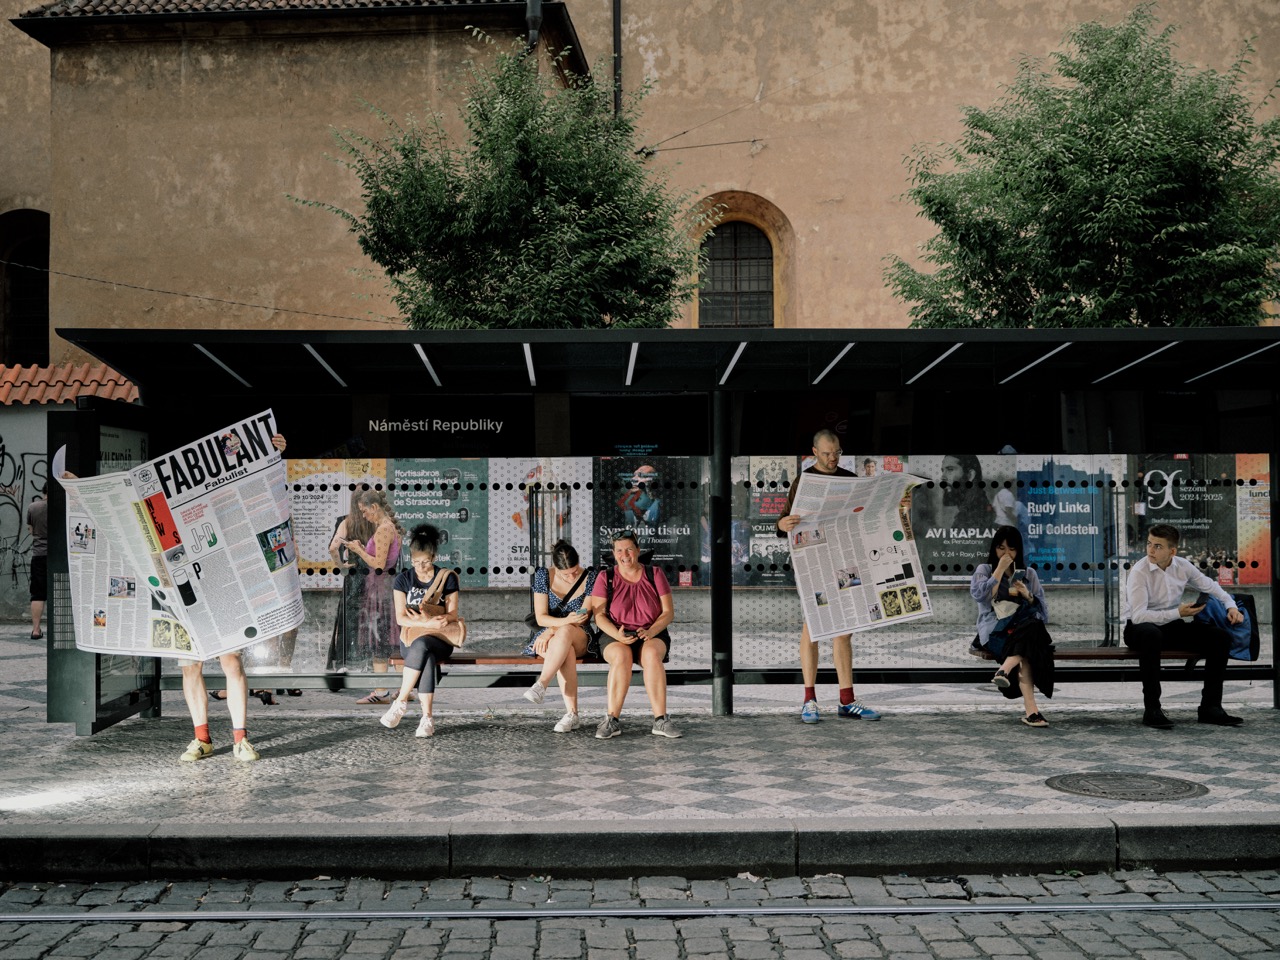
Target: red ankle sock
(238, 733)
(810, 693)
(202, 733)
(846, 695)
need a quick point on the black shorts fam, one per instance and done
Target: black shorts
(664, 636)
(39, 579)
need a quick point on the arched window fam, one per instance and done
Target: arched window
(737, 288)
(24, 288)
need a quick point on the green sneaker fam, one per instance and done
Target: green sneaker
(196, 750)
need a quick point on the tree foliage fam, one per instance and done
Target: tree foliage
(546, 217)
(1119, 188)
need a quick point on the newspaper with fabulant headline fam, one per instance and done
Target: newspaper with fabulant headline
(189, 555)
(854, 556)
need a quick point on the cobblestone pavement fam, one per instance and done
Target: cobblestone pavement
(1047, 917)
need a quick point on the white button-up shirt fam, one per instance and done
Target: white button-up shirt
(1153, 595)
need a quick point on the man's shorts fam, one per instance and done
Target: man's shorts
(39, 579)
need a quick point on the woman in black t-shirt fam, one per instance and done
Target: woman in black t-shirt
(424, 630)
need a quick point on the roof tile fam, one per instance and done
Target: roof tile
(63, 384)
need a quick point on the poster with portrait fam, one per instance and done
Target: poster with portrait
(664, 501)
(956, 513)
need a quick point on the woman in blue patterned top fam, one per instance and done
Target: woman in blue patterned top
(563, 607)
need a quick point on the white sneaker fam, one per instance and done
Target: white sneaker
(426, 728)
(537, 693)
(568, 722)
(395, 713)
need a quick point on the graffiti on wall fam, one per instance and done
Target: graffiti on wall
(22, 475)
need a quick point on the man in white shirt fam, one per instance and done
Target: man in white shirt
(1156, 618)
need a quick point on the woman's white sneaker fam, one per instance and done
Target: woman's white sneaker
(395, 713)
(426, 728)
(568, 722)
(537, 693)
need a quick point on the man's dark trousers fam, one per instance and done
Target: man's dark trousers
(1202, 639)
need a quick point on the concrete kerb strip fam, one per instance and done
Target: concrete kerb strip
(870, 846)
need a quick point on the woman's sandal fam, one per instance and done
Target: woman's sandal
(374, 698)
(1035, 720)
(1001, 680)
(217, 695)
(268, 700)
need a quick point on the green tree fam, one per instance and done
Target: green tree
(547, 217)
(1119, 188)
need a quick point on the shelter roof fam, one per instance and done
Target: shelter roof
(683, 361)
(63, 384)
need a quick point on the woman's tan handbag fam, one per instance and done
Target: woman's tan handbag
(455, 633)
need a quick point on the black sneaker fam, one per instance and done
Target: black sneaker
(1219, 717)
(1156, 718)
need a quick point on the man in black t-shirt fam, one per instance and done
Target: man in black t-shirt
(826, 453)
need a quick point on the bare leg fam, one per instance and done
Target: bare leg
(237, 689)
(1028, 689)
(620, 660)
(426, 700)
(37, 611)
(842, 656)
(194, 692)
(408, 681)
(655, 675)
(808, 658)
(380, 666)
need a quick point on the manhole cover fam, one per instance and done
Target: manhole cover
(1126, 786)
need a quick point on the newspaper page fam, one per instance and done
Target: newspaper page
(854, 555)
(189, 555)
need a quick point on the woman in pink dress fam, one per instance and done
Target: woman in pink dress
(378, 636)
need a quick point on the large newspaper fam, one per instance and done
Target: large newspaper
(188, 555)
(854, 556)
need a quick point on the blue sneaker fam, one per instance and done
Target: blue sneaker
(809, 712)
(857, 710)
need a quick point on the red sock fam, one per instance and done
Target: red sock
(202, 733)
(238, 733)
(846, 695)
(810, 693)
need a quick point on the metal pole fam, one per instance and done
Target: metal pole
(617, 57)
(721, 558)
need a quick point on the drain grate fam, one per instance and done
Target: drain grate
(1126, 786)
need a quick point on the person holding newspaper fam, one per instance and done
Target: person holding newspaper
(826, 454)
(196, 695)
(1011, 623)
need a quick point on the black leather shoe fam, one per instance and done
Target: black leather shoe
(1219, 717)
(1156, 718)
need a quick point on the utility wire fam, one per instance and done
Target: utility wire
(805, 79)
(196, 296)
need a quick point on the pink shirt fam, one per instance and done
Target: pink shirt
(634, 605)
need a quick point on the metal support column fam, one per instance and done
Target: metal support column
(721, 557)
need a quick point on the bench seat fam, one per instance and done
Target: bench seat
(1098, 653)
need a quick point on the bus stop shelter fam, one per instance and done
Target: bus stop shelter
(712, 393)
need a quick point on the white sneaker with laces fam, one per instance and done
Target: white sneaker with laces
(570, 721)
(395, 713)
(426, 728)
(537, 693)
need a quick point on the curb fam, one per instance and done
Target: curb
(872, 846)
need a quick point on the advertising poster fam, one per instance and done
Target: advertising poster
(1253, 518)
(955, 516)
(1219, 502)
(1060, 514)
(664, 501)
(454, 496)
(761, 556)
(533, 502)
